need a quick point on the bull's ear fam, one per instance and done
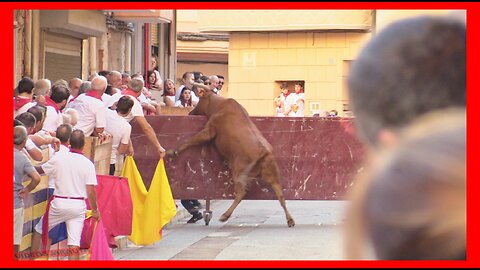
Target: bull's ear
(201, 92)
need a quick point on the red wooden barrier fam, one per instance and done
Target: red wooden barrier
(318, 158)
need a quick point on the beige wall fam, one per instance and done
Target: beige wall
(282, 20)
(211, 52)
(188, 22)
(258, 61)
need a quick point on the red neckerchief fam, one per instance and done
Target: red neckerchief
(21, 101)
(94, 94)
(285, 96)
(168, 94)
(130, 92)
(72, 99)
(76, 151)
(51, 103)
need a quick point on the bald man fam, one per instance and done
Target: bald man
(214, 81)
(90, 107)
(135, 89)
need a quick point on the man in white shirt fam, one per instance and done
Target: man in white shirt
(74, 86)
(90, 107)
(134, 90)
(41, 90)
(63, 133)
(115, 80)
(55, 104)
(297, 107)
(23, 101)
(31, 150)
(221, 82)
(40, 137)
(286, 99)
(120, 130)
(187, 79)
(214, 81)
(75, 181)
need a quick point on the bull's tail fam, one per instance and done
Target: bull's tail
(241, 183)
(244, 175)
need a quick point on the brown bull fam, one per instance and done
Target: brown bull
(239, 141)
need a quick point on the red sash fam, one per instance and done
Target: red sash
(94, 94)
(21, 101)
(51, 103)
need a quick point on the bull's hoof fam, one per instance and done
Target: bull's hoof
(291, 223)
(223, 218)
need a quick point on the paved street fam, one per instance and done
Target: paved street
(257, 230)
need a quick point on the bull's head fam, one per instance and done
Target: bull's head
(203, 104)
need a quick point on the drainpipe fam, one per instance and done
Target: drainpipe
(374, 22)
(15, 38)
(172, 71)
(128, 53)
(92, 51)
(146, 49)
(36, 45)
(27, 71)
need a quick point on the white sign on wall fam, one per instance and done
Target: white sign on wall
(249, 59)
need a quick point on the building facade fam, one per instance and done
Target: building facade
(206, 52)
(63, 44)
(255, 50)
(268, 47)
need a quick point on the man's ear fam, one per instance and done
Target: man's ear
(63, 103)
(114, 106)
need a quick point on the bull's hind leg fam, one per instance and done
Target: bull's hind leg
(271, 174)
(240, 179)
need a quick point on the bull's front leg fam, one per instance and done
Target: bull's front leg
(205, 135)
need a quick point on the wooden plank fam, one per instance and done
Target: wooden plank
(98, 153)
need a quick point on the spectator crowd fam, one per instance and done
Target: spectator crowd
(59, 116)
